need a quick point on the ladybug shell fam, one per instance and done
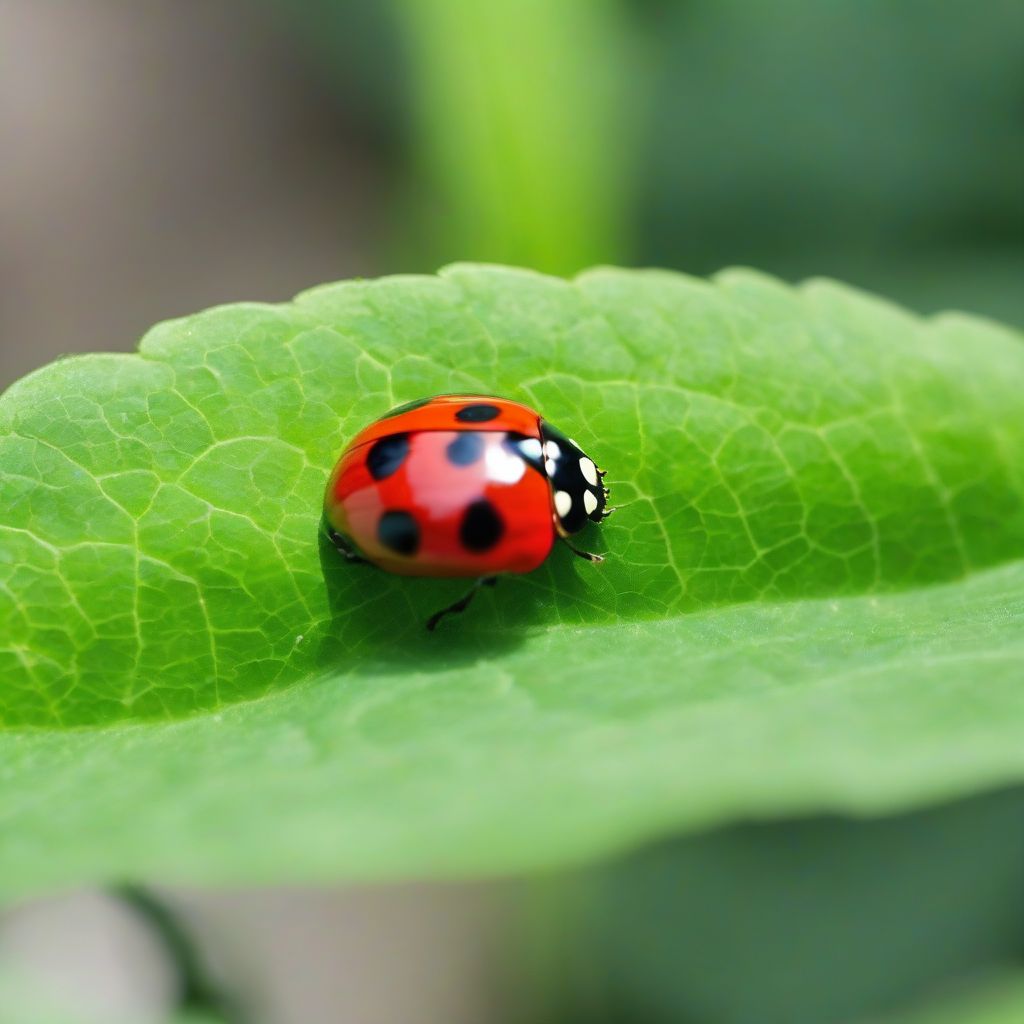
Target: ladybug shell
(451, 486)
(454, 412)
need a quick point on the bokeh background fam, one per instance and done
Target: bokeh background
(163, 156)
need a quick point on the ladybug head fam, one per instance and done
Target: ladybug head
(576, 485)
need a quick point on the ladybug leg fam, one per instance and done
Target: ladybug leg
(463, 602)
(344, 547)
(608, 509)
(588, 555)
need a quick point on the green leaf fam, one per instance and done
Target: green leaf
(995, 1000)
(813, 597)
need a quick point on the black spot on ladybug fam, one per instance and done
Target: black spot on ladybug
(397, 531)
(417, 403)
(465, 449)
(478, 413)
(481, 526)
(386, 455)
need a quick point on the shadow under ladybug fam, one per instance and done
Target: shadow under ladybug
(461, 486)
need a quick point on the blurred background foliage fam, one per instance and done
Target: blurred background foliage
(817, 920)
(878, 142)
(162, 157)
(185, 153)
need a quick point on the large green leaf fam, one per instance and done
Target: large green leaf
(814, 595)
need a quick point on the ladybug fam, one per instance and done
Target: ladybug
(461, 485)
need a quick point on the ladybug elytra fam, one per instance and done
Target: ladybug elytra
(461, 485)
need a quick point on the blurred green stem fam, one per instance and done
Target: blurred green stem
(198, 992)
(519, 116)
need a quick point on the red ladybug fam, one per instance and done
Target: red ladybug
(461, 485)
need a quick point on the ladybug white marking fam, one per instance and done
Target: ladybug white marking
(531, 447)
(550, 467)
(552, 451)
(589, 501)
(503, 467)
(589, 471)
(563, 503)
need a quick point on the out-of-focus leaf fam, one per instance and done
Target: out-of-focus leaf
(801, 922)
(520, 115)
(998, 1000)
(869, 141)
